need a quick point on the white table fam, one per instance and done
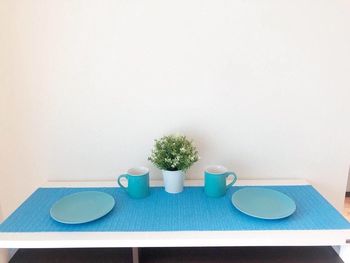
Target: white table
(336, 238)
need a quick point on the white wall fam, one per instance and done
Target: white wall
(261, 86)
(20, 162)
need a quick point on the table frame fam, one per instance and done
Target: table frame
(339, 238)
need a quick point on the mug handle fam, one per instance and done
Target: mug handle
(119, 180)
(234, 179)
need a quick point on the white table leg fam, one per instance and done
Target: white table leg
(4, 255)
(135, 255)
(344, 253)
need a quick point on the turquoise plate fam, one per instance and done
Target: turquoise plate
(263, 203)
(82, 207)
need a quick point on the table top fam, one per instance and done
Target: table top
(195, 218)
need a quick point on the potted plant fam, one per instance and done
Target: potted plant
(173, 154)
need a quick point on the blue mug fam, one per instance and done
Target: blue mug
(138, 182)
(215, 180)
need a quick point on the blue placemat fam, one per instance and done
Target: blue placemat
(189, 210)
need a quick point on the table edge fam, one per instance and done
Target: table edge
(175, 238)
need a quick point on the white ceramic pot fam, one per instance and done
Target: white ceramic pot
(173, 181)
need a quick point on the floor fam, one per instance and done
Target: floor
(183, 255)
(346, 211)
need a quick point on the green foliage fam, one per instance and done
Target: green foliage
(174, 153)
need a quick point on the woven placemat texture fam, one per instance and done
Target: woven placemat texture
(190, 210)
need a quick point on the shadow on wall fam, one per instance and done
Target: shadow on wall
(208, 152)
(1, 215)
(200, 141)
(348, 184)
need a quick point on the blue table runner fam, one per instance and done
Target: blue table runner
(190, 210)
